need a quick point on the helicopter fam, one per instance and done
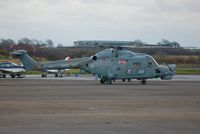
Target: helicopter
(109, 65)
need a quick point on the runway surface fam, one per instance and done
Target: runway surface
(46, 106)
(90, 77)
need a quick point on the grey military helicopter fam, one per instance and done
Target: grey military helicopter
(109, 65)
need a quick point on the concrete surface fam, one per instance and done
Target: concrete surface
(90, 77)
(36, 106)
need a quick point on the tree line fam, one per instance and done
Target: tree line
(47, 50)
(30, 44)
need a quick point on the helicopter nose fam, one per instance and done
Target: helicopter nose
(172, 68)
(167, 71)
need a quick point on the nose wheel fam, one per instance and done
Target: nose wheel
(44, 75)
(144, 82)
(58, 75)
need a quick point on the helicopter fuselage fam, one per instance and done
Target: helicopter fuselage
(125, 64)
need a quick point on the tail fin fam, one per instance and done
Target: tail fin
(28, 62)
(68, 58)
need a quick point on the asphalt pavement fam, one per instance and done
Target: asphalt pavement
(90, 77)
(50, 106)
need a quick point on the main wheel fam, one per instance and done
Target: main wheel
(44, 75)
(123, 80)
(12, 75)
(144, 82)
(19, 75)
(109, 81)
(102, 81)
(56, 75)
(4, 76)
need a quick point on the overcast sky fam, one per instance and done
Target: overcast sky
(65, 21)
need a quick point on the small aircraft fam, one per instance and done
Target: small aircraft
(109, 65)
(57, 72)
(12, 69)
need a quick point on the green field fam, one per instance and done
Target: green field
(188, 71)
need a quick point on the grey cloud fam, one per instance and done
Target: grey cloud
(178, 5)
(191, 5)
(67, 20)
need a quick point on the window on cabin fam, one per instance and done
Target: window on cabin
(7, 65)
(136, 66)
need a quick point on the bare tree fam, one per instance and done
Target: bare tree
(49, 43)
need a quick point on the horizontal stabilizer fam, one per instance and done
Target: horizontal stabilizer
(19, 52)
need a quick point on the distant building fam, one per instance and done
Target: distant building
(136, 43)
(100, 43)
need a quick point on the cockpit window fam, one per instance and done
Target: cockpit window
(151, 61)
(12, 64)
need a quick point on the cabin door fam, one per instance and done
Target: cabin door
(135, 67)
(119, 67)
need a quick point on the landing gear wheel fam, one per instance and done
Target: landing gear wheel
(144, 82)
(19, 76)
(109, 81)
(60, 75)
(44, 75)
(102, 81)
(12, 75)
(56, 75)
(106, 81)
(123, 80)
(4, 76)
